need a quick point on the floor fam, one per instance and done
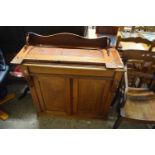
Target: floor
(23, 116)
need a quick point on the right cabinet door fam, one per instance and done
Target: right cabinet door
(90, 96)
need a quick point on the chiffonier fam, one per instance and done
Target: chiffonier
(69, 75)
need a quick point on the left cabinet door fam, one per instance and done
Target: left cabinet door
(54, 94)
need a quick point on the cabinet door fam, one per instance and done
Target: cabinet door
(90, 96)
(54, 94)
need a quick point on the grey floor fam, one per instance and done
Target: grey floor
(23, 116)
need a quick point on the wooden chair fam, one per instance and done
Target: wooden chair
(132, 43)
(137, 102)
(144, 28)
(131, 52)
(152, 47)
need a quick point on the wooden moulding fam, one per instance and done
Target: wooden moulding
(69, 72)
(68, 40)
(52, 56)
(32, 88)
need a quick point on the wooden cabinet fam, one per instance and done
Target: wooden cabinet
(71, 96)
(69, 90)
(74, 82)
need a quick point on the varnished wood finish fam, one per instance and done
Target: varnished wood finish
(73, 90)
(138, 90)
(67, 40)
(134, 39)
(54, 93)
(92, 94)
(152, 47)
(142, 110)
(76, 82)
(67, 55)
(139, 55)
(139, 63)
(131, 40)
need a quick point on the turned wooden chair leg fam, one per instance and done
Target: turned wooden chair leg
(118, 122)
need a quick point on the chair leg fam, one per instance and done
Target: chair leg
(24, 92)
(118, 122)
(115, 99)
(3, 115)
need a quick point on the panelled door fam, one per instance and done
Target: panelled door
(90, 96)
(54, 94)
(78, 96)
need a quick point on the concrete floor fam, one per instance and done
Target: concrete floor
(23, 116)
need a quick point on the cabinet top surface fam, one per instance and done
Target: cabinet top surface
(43, 54)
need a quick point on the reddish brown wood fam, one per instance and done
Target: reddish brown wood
(152, 46)
(112, 30)
(68, 40)
(69, 81)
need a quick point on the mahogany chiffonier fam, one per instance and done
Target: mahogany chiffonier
(69, 75)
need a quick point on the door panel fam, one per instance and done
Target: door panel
(80, 97)
(90, 96)
(55, 93)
